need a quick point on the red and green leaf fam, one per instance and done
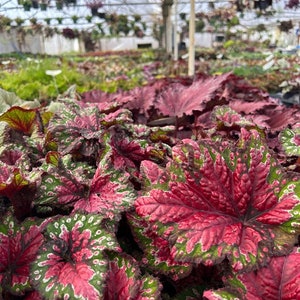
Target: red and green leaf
(71, 264)
(140, 98)
(63, 182)
(226, 116)
(76, 130)
(79, 130)
(280, 279)
(126, 152)
(15, 156)
(222, 204)
(290, 140)
(157, 256)
(17, 183)
(110, 193)
(152, 175)
(20, 119)
(19, 244)
(124, 282)
(11, 180)
(53, 158)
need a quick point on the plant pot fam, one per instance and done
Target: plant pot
(75, 20)
(182, 16)
(59, 20)
(43, 6)
(35, 4)
(19, 22)
(33, 21)
(89, 19)
(94, 11)
(26, 7)
(102, 15)
(48, 21)
(59, 5)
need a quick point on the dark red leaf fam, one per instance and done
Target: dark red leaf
(178, 100)
(140, 98)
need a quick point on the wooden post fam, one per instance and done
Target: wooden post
(175, 31)
(166, 12)
(191, 63)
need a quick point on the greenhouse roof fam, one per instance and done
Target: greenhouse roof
(150, 11)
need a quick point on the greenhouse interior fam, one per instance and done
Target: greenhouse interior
(149, 149)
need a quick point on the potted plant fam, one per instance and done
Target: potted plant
(59, 20)
(138, 32)
(89, 19)
(4, 23)
(49, 31)
(102, 15)
(137, 18)
(59, 4)
(94, 5)
(182, 16)
(19, 21)
(123, 25)
(48, 21)
(112, 18)
(35, 4)
(75, 18)
(44, 4)
(70, 2)
(33, 21)
(100, 28)
(27, 5)
(69, 33)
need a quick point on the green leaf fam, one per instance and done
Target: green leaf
(20, 119)
(290, 139)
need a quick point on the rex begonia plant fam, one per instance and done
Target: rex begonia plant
(224, 203)
(99, 202)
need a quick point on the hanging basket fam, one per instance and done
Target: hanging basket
(102, 15)
(94, 11)
(89, 19)
(59, 20)
(35, 4)
(75, 19)
(59, 5)
(43, 6)
(71, 2)
(48, 21)
(27, 6)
